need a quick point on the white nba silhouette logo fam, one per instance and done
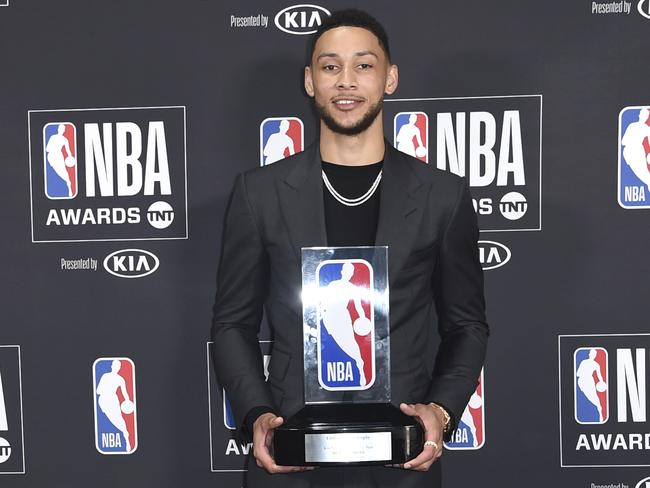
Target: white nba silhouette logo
(280, 137)
(411, 134)
(633, 148)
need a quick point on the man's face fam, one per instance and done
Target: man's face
(348, 77)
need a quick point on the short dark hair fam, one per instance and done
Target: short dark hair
(352, 17)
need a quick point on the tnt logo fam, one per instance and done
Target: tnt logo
(591, 399)
(470, 433)
(634, 157)
(346, 331)
(115, 406)
(60, 159)
(513, 205)
(411, 134)
(280, 137)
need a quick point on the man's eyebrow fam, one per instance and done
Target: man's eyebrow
(327, 55)
(357, 54)
(365, 53)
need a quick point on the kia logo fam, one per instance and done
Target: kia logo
(301, 19)
(644, 483)
(493, 254)
(131, 263)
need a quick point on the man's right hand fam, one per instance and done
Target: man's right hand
(263, 429)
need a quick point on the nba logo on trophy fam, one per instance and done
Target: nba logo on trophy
(280, 137)
(346, 331)
(60, 159)
(591, 397)
(411, 134)
(115, 406)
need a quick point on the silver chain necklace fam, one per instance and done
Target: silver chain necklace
(352, 202)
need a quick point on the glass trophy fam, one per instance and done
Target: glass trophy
(348, 418)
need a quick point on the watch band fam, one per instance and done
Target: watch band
(445, 415)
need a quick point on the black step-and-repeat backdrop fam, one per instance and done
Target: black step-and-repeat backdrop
(122, 127)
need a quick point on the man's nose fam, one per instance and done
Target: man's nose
(347, 78)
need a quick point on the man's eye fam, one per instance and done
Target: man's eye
(365, 66)
(329, 67)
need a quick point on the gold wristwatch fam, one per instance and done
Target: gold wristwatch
(445, 415)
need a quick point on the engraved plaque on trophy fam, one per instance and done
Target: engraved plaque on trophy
(348, 418)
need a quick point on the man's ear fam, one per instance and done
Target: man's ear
(391, 80)
(309, 82)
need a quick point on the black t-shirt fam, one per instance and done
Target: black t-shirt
(351, 226)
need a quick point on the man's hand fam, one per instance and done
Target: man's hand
(263, 444)
(433, 423)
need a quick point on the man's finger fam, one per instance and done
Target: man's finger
(427, 455)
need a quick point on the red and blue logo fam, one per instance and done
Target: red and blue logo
(470, 432)
(280, 137)
(634, 157)
(60, 159)
(411, 134)
(115, 406)
(591, 392)
(346, 329)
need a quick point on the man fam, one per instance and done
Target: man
(350, 188)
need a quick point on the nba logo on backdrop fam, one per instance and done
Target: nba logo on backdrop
(595, 431)
(115, 406)
(470, 433)
(346, 332)
(107, 174)
(411, 134)
(591, 398)
(60, 159)
(280, 137)
(634, 157)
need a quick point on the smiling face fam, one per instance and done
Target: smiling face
(348, 77)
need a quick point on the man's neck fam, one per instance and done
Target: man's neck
(358, 150)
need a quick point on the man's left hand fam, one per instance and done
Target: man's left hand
(433, 423)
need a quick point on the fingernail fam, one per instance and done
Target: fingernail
(407, 466)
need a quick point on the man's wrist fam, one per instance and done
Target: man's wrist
(446, 418)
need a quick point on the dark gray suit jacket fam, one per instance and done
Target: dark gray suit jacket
(426, 219)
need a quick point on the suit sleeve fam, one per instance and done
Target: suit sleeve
(242, 284)
(460, 305)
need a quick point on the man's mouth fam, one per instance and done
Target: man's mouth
(346, 104)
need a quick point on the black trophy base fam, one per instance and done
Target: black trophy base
(348, 434)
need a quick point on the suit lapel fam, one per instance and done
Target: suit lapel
(400, 208)
(301, 199)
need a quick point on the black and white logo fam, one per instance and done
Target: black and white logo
(644, 483)
(513, 205)
(12, 455)
(131, 263)
(494, 142)
(493, 254)
(301, 19)
(109, 174)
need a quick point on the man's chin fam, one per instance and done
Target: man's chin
(350, 128)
